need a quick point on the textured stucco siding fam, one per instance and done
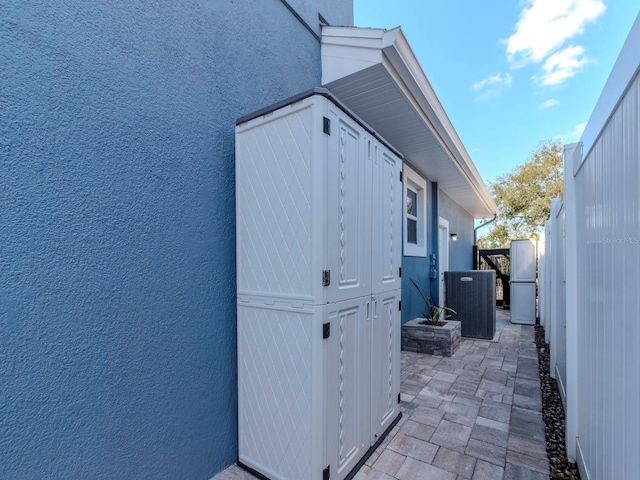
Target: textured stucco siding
(417, 268)
(117, 258)
(439, 204)
(336, 12)
(461, 223)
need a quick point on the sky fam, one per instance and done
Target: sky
(510, 73)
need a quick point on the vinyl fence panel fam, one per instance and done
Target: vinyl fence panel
(603, 187)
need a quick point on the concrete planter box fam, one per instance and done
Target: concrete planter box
(420, 338)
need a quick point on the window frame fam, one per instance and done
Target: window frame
(411, 180)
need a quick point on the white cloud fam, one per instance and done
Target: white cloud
(574, 136)
(577, 132)
(562, 65)
(545, 25)
(496, 80)
(492, 86)
(552, 102)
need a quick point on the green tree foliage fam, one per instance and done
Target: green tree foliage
(524, 196)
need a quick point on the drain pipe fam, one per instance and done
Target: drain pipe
(475, 230)
(475, 240)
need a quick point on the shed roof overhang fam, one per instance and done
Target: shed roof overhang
(376, 74)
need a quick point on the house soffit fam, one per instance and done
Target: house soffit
(375, 73)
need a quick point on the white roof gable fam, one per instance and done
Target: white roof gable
(375, 73)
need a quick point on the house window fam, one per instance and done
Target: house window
(412, 216)
(415, 214)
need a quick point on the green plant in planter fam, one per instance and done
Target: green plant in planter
(436, 314)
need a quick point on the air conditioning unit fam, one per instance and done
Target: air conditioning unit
(472, 294)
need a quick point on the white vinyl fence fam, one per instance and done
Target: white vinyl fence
(543, 287)
(552, 280)
(594, 236)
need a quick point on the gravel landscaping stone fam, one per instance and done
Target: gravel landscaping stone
(553, 415)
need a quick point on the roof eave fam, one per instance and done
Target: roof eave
(349, 51)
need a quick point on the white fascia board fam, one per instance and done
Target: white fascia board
(348, 50)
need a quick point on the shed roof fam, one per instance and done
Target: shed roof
(376, 74)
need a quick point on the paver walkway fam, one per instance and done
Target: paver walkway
(475, 415)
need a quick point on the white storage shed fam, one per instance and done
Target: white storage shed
(319, 217)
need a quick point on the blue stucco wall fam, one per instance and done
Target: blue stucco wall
(439, 204)
(336, 12)
(417, 268)
(460, 222)
(117, 258)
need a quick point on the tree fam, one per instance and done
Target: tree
(524, 196)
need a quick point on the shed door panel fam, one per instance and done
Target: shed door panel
(348, 385)
(386, 215)
(349, 242)
(385, 362)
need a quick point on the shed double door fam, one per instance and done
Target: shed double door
(363, 367)
(363, 217)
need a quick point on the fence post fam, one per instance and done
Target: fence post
(545, 282)
(542, 273)
(572, 158)
(475, 257)
(554, 257)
